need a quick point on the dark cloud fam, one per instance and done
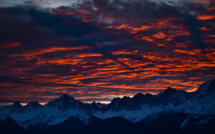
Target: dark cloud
(104, 49)
(10, 79)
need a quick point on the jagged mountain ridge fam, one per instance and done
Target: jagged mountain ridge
(202, 101)
(134, 109)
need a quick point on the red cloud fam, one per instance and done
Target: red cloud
(10, 45)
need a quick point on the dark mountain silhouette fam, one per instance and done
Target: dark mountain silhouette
(199, 124)
(115, 125)
(69, 126)
(168, 122)
(9, 126)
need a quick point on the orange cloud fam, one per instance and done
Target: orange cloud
(192, 52)
(142, 28)
(159, 35)
(60, 61)
(132, 29)
(31, 54)
(204, 29)
(89, 55)
(122, 52)
(206, 17)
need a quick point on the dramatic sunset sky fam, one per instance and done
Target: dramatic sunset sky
(95, 50)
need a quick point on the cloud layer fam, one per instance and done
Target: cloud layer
(96, 50)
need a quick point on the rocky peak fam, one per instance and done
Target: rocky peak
(138, 95)
(115, 100)
(17, 104)
(32, 104)
(17, 107)
(169, 89)
(64, 102)
(65, 96)
(168, 92)
(206, 87)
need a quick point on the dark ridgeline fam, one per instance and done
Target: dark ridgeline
(9, 126)
(176, 121)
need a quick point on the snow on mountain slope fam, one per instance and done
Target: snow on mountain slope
(203, 101)
(133, 116)
(45, 117)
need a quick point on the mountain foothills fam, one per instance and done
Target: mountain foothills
(170, 111)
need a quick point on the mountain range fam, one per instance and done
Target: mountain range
(170, 111)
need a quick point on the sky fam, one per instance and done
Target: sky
(95, 50)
